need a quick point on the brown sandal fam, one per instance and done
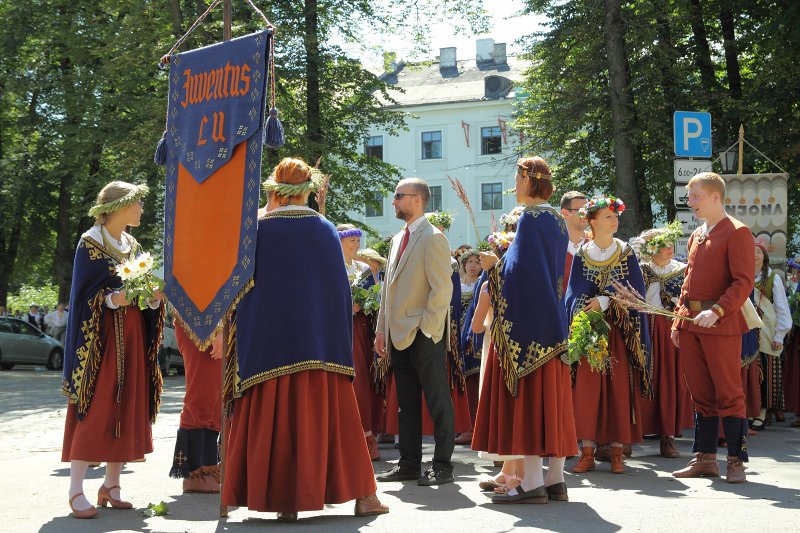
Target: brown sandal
(504, 489)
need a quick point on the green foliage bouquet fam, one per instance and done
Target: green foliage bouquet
(588, 338)
(368, 299)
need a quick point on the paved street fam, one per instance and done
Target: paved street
(34, 485)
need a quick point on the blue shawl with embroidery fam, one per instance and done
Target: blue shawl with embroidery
(298, 316)
(530, 323)
(588, 279)
(93, 278)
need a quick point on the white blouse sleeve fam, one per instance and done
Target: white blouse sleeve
(783, 321)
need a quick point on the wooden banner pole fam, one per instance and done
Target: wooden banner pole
(223, 509)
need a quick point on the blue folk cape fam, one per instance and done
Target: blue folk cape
(589, 279)
(454, 345)
(472, 343)
(670, 284)
(299, 314)
(750, 341)
(530, 323)
(93, 278)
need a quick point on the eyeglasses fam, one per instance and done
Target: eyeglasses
(399, 195)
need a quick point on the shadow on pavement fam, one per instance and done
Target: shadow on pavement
(556, 516)
(107, 519)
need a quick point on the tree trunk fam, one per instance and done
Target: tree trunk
(702, 57)
(176, 16)
(731, 50)
(623, 119)
(668, 86)
(313, 123)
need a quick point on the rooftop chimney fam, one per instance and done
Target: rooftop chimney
(484, 51)
(499, 54)
(447, 58)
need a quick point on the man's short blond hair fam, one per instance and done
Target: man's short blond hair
(710, 182)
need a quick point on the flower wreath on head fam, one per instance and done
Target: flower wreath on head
(354, 232)
(601, 202)
(135, 193)
(442, 219)
(466, 254)
(511, 218)
(502, 239)
(315, 179)
(646, 248)
(794, 263)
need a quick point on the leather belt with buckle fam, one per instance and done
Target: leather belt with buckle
(701, 305)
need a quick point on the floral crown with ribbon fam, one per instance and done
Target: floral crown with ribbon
(135, 192)
(650, 242)
(762, 243)
(794, 263)
(601, 202)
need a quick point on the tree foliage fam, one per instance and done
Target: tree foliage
(733, 58)
(82, 103)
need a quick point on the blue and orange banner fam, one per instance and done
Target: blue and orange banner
(215, 120)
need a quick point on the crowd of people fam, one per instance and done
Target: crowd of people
(559, 340)
(54, 322)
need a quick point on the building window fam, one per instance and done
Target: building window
(374, 147)
(435, 203)
(491, 196)
(375, 206)
(431, 145)
(491, 140)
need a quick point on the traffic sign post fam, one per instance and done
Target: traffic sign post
(692, 134)
(688, 222)
(686, 169)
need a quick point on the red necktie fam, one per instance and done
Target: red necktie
(403, 245)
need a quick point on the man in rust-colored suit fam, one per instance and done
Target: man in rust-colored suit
(719, 278)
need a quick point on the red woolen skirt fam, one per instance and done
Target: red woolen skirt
(670, 410)
(538, 421)
(296, 444)
(93, 439)
(751, 384)
(366, 397)
(473, 387)
(202, 403)
(607, 406)
(791, 372)
(463, 422)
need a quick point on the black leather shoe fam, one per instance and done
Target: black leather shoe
(432, 477)
(397, 474)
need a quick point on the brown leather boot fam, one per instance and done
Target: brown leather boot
(617, 462)
(370, 505)
(703, 465)
(668, 448)
(372, 446)
(735, 473)
(586, 462)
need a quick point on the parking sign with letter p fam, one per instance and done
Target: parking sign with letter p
(692, 134)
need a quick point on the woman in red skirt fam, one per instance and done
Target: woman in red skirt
(606, 394)
(111, 373)
(670, 410)
(525, 405)
(361, 279)
(296, 440)
(791, 373)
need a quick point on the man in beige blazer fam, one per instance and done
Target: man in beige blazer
(415, 302)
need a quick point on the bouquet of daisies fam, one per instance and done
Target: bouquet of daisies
(138, 280)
